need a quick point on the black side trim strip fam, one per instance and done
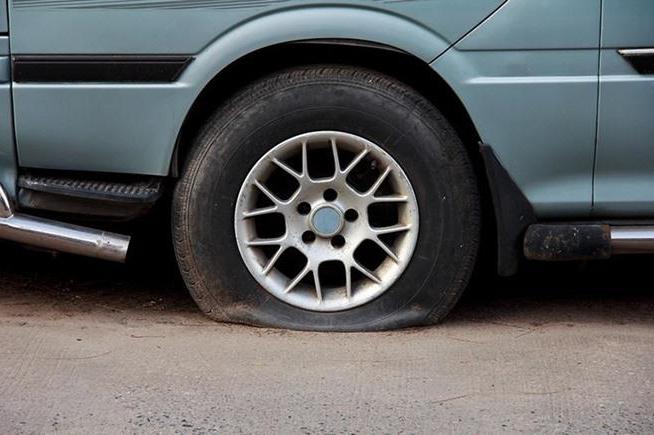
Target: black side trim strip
(104, 69)
(642, 59)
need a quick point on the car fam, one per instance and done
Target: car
(331, 166)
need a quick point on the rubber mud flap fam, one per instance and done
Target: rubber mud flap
(513, 213)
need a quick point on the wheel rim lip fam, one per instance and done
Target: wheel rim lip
(273, 281)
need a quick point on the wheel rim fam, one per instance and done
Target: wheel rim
(326, 221)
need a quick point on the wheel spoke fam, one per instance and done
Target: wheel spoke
(392, 229)
(386, 249)
(379, 182)
(273, 260)
(367, 273)
(298, 278)
(348, 281)
(390, 198)
(267, 242)
(287, 168)
(271, 196)
(316, 281)
(260, 211)
(305, 160)
(356, 160)
(337, 163)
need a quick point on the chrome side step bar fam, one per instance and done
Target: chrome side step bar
(632, 239)
(60, 236)
(561, 242)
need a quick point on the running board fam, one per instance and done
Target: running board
(563, 242)
(60, 236)
(88, 195)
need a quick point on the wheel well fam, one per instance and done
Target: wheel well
(387, 60)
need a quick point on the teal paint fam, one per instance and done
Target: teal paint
(628, 23)
(528, 77)
(4, 21)
(537, 111)
(538, 25)
(189, 26)
(96, 127)
(624, 175)
(7, 145)
(134, 128)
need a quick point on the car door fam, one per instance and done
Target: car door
(624, 172)
(7, 147)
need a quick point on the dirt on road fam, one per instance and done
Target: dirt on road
(91, 347)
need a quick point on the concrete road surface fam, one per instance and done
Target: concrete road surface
(88, 347)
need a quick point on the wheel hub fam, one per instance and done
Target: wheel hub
(326, 221)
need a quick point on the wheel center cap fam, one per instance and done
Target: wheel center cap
(327, 221)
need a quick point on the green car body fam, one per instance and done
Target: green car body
(561, 92)
(542, 81)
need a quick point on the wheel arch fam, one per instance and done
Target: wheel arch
(386, 59)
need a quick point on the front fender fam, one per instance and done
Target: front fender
(313, 22)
